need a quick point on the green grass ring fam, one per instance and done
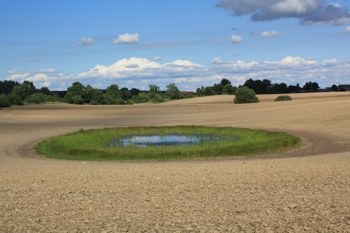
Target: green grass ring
(94, 144)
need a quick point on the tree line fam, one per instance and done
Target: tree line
(264, 86)
(14, 93)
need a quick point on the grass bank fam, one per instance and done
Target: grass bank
(96, 144)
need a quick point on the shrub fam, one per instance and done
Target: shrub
(141, 98)
(157, 99)
(283, 98)
(39, 98)
(14, 99)
(245, 95)
(77, 99)
(4, 101)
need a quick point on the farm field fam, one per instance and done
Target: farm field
(305, 190)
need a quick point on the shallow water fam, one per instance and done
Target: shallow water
(162, 140)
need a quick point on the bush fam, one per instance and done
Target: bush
(4, 101)
(141, 98)
(158, 99)
(14, 99)
(245, 95)
(39, 98)
(77, 99)
(283, 98)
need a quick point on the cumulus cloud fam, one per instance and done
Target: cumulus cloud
(139, 67)
(236, 65)
(347, 29)
(289, 69)
(121, 68)
(270, 9)
(188, 75)
(236, 39)
(268, 34)
(308, 11)
(43, 78)
(329, 14)
(186, 64)
(86, 41)
(217, 60)
(127, 39)
(292, 61)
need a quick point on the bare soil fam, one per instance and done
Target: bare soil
(305, 190)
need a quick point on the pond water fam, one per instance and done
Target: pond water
(162, 140)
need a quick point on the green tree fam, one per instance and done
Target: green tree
(39, 98)
(45, 90)
(113, 95)
(15, 98)
(134, 91)
(155, 94)
(98, 98)
(158, 99)
(77, 99)
(125, 93)
(294, 89)
(218, 89)
(7, 86)
(89, 92)
(24, 90)
(75, 93)
(153, 89)
(200, 91)
(225, 82)
(4, 101)
(20, 92)
(141, 98)
(229, 89)
(245, 95)
(77, 88)
(173, 92)
(311, 86)
(334, 87)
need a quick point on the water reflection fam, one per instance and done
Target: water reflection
(163, 140)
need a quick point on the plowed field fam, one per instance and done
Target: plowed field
(306, 190)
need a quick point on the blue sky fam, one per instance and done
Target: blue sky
(191, 43)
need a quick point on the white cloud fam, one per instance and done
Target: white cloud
(236, 39)
(122, 68)
(292, 61)
(141, 67)
(270, 9)
(268, 34)
(183, 64)
(157, 58)
(86, 41)
(347, 29)
(331, 13)
(217, 60)
(43, 78)
(48, 70)
(289, 69)
(308, 11)
(188, 75)
(127, 39)
(238, 65)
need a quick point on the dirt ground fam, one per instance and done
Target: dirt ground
(306, 190)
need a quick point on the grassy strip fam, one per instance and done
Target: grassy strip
(94, 144)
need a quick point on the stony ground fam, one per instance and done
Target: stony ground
(306, 190)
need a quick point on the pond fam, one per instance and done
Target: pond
(162, 140)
